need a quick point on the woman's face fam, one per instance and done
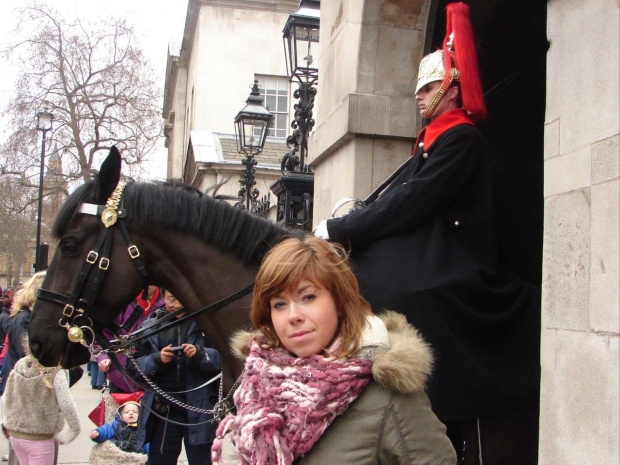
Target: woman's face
(305, 319)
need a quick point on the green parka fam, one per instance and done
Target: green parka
(391, 422)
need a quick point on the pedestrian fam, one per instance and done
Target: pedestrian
(16, 328)
(38, 411)
(178, 360)
(139, 310)
(5, 314)
(425, 246)
(326, 381)
(97, 377)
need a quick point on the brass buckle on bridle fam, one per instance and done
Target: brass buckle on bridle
(133, 251)
(68, 311)
(92, 257)
(104, 263)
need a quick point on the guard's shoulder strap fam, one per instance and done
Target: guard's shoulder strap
(377, 192)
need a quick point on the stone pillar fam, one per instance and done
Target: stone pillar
(579, 420)
(367, 117)
(174, 128)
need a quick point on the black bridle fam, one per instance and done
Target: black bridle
(78, 317)
(83, 325)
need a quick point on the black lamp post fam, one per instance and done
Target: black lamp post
(44, 124)
(295, 188)
(301, 41)
(251, 126)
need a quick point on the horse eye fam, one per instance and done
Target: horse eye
(70, 245)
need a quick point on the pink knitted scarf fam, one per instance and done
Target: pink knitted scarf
(284, 404)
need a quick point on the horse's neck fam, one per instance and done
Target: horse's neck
(199, 274)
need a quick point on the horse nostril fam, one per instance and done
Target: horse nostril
(35, 348)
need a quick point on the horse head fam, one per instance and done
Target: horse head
(77, 235)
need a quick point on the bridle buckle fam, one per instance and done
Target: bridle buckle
(68, 311)
(133, 251)
(104, 263)
(92, 257)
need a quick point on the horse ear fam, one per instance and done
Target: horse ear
(109, 174)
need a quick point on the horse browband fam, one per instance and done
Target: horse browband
(79, 304)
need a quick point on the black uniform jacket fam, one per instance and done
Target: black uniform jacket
(426, 248)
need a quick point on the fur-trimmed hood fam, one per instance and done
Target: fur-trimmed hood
(402, 367)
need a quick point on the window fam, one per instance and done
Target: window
(275, 91)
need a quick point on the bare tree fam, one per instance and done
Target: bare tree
(100, 89)
(17, 227)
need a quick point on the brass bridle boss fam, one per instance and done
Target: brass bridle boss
(78, 305)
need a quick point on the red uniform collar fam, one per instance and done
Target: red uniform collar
(438, 126)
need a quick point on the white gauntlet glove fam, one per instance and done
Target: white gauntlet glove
(321, 230)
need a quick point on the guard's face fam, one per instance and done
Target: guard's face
(425, 95)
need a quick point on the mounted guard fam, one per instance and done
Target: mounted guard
(424, 245)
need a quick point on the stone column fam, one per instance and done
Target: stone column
(174, 115)
(580, 326)
(367, 117)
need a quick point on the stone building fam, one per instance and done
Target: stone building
(550, 73)
(226, 46)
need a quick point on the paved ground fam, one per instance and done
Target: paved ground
(77, 452)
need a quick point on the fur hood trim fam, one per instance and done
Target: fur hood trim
(404, 367)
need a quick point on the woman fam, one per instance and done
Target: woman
(16, 327)
(325, 381)
(38, 411)
(117, 381)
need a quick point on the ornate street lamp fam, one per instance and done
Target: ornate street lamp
(44, 124)
(295, 188)
(251, 126)
(301, 41)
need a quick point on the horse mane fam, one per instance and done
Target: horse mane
(181, 207)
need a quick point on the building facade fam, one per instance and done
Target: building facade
(550, 73)
(226, 46)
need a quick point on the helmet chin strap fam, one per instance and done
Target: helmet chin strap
(454, 75)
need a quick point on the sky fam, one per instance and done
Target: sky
(157, 23)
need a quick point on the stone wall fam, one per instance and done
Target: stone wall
(367, 117)
(579, 420)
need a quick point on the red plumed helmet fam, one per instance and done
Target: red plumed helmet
(458, 46)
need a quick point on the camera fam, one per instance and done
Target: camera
(178, 351)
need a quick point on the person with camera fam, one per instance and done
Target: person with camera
(178, 360)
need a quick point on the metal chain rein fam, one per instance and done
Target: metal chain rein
(219, 410)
